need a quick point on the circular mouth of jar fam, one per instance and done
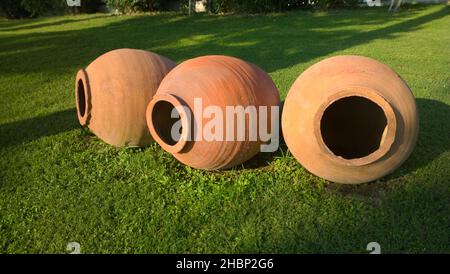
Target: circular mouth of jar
(168, 122)
(82, 97)
(355, 126)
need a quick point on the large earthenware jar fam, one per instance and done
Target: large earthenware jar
(113, 92)
(350, 119)
(210, 89)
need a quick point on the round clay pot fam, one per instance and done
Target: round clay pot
(218, 81)
(113, 92)
(350, 119)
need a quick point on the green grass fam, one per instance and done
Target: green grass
(59, 183)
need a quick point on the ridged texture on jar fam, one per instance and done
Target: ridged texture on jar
(113, 92)
(350, 119)
(218, 81)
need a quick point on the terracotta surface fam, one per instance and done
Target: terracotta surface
(219, 81)
(350, 119)
(113, 92)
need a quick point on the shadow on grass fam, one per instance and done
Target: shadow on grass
(29, 24)
(28, 130)
(272, 42)
(434, 134)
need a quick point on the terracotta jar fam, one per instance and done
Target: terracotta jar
(218, 82)
(113, 92)
(350, 119)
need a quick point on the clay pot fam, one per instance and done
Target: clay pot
(113, 92)
(350, 119)
(218, 81)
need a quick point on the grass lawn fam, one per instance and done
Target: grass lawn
(59, 183)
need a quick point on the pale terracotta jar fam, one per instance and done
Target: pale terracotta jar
(350, 119)
(113, 92)
(219, 81)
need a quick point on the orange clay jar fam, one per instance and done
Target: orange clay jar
(350, 119)
(113, 92)
(219, 81)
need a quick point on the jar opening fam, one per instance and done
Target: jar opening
(164, 122)
(353, 127)
(81, 98)
(168, 119)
